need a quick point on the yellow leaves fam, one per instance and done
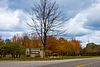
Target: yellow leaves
(72, 46)
(53, 44)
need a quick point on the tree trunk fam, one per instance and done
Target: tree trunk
(44, 45)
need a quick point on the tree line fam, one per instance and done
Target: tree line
(16, 47)
(60, 46)
(91, 49)
(8, 47)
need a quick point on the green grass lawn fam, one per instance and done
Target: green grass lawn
(9, 58)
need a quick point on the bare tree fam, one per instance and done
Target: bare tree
(45, 19)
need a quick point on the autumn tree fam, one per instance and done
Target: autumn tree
(51, 43)
(35, 42)
(90, 48)
(68, 47)
(45, 20)
(76, 46)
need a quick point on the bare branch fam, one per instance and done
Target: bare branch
(46, 16)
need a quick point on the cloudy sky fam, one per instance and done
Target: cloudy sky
(83, 18)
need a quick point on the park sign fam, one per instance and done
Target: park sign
(34, 52)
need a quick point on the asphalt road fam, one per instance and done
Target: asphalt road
(95, 62)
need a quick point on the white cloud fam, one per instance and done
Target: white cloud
(9, 34)
(14, 21)
(11, 21)
(93, 37)
(75, 25)
(93, 21)
(8, 18)
(87, 17)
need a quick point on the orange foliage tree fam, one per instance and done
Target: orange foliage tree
(56, 45)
